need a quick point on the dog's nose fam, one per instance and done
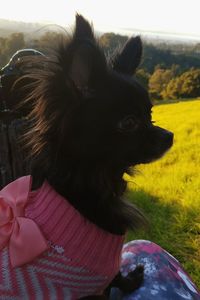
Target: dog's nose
(169, 137)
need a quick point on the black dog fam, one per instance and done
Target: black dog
(91, 122)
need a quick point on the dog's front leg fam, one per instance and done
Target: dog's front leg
(126, 284)
(129, 283)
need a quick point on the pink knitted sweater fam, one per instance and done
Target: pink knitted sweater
(48, 249)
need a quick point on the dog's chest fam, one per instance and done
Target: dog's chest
(82, 256)
(50, 276)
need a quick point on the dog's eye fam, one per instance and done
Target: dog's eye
(128, 124)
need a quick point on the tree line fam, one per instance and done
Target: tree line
(168, 71)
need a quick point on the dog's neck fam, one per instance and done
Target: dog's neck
(96, 192)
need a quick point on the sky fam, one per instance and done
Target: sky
(180, 17)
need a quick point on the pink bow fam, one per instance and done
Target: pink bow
(22, 235)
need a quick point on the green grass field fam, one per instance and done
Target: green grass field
(168, 190)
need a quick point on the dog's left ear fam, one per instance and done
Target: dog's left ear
(129, 58)
(86, 59)
(81, 66)
(83, 30)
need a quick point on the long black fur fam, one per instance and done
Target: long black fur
(90, 122)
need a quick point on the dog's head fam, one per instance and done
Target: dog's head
(91, 121)
(89, 109)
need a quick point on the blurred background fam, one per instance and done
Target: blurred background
(168, 191)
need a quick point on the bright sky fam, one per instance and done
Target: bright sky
(174, 16)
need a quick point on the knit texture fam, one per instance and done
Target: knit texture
(82, 258)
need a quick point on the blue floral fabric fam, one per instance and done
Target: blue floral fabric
(164, 277)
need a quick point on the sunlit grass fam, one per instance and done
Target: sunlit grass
(168, 190)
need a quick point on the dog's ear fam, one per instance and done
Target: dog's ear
(81, 66)
(83, 30)
(129, 58)
(87, 60)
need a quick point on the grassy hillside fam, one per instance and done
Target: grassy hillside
(168, 190)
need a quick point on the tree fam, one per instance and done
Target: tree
(111, 41)
(173, 89)
(190, 83)
(3, 56)
(159, 81)
(14, 42)
(9, 45)
(48, 41)
(186, 85)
